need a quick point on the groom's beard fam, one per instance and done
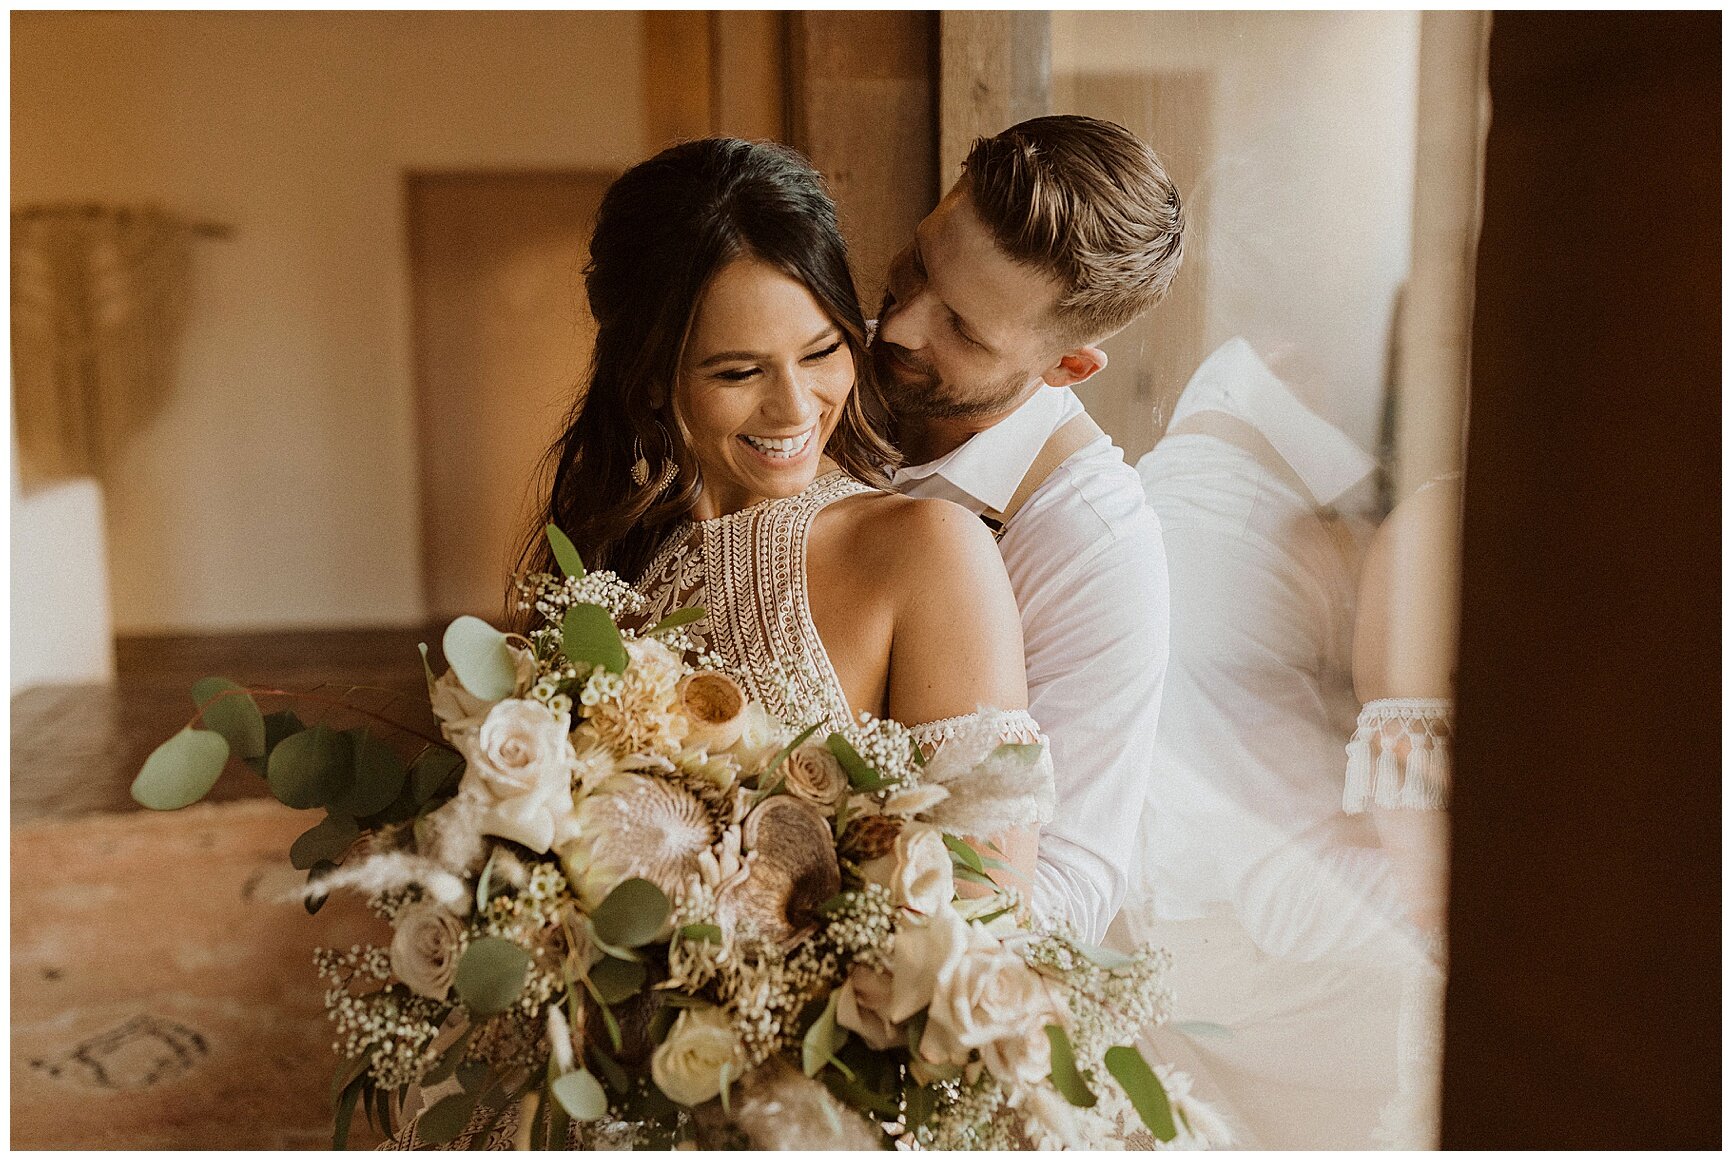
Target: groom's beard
(913, 389)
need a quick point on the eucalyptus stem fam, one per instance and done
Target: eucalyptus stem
(250, 690)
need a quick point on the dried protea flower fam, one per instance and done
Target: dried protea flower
(636, 827)
(715, 707)
(869, 837)
(790, 869)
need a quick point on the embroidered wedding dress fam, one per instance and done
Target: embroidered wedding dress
(747, 569)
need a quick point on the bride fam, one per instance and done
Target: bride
(728, 453)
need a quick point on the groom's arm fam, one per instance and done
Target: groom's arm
(1096, 629)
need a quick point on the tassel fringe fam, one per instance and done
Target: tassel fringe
(1381, 772)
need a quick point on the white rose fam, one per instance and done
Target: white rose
(984, 997)
(917, 871)
(761, 736)
(521, 762)
(814, 775)
(424, 949)
(688, 1065)
(926, 949)
(861, 1004)
(461, 712)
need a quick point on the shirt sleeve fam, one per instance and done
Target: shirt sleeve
(1096, 633)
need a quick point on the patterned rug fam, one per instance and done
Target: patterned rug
(162, 996)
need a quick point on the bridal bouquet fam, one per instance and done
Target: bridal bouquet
(628, 905)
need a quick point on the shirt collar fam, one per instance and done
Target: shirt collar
(1236, 381)
(991, 464)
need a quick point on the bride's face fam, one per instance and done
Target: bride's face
(763, 380)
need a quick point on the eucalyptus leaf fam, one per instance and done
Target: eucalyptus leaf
(318, 871)
(969, 856)
(677, 619)
(324, 842)
(310, 768)
(558, 1124)
(565, 552)
(589, 637)
(607, 1017)
(432, 771)
(441, 1124)
(182, 770)
(480, 657)
(277, 727)
(860, 775)
(450, 1058)
(1065, 1077)
(377, 775)
(973, 876)
(235, 716)
(632, 915)
(610, 1070)
(581, 1095)
(922, 1103)
(1144, 1088)
(345, 1115)
(701, 933)
(617, 979)
(490, 975)
(822, 1039)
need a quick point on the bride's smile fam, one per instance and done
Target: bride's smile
(763, 381)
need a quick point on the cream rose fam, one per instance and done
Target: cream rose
(520, 764)
(988, 999)
(917, 871)
(926, 950)
(461, 712)
(688, 1065)
(861, 1004)
(761, 736)
(813, 775)
(424, 949)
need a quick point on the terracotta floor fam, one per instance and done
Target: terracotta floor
(163, 994)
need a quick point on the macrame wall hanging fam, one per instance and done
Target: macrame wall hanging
(99, 300)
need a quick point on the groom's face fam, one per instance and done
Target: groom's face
(965, 332)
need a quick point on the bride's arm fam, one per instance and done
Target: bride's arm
(957, 638)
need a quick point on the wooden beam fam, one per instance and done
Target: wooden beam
(995, 70)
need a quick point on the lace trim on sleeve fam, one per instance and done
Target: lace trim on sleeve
(1015, 726)
(1399, 756)
(987, 789)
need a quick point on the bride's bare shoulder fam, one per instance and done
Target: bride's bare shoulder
(903, 529)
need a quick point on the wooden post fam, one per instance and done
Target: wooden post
(995, 70)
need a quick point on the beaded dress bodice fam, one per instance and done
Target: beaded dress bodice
(748, 570)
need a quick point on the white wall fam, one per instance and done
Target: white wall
(1305, 193)
(280, 487)
(60, 614)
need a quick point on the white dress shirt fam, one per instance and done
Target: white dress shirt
(1089, 570)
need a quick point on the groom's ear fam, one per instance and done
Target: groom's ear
(1074, 366)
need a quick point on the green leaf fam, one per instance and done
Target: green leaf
(1065, 1077)
(182, 770)
(581, 1095)
(558, 1123)
(632, 915)
(969, 856)
(432, 771)
(475, 1076)
(441, 1124)
(1144, 1089)
(922, 1103)
(1027, 751)
(610, 1070)
(589, 637)
(349, 1069)
(973, 876)
(565, 552)
(235, 716)
(377, 776)
(860, 775)
(822, 1039)
(607, 1018)
(324, 842)
(782, 754)
(450, 1058)
(479, 655)
(617, 979)
(484, 884)
(701, 933)
(676, 619)
(310, 768)
(490, 975)
(346, 1114)
(277, 727)
(1105, 956)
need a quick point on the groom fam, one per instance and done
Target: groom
(1061, 231)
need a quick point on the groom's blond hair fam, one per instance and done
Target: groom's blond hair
(1088, 203)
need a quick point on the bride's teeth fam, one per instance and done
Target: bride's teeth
(780, 448)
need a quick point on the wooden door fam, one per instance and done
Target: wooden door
(502, 340)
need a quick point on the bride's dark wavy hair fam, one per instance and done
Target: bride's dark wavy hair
(663, 231)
